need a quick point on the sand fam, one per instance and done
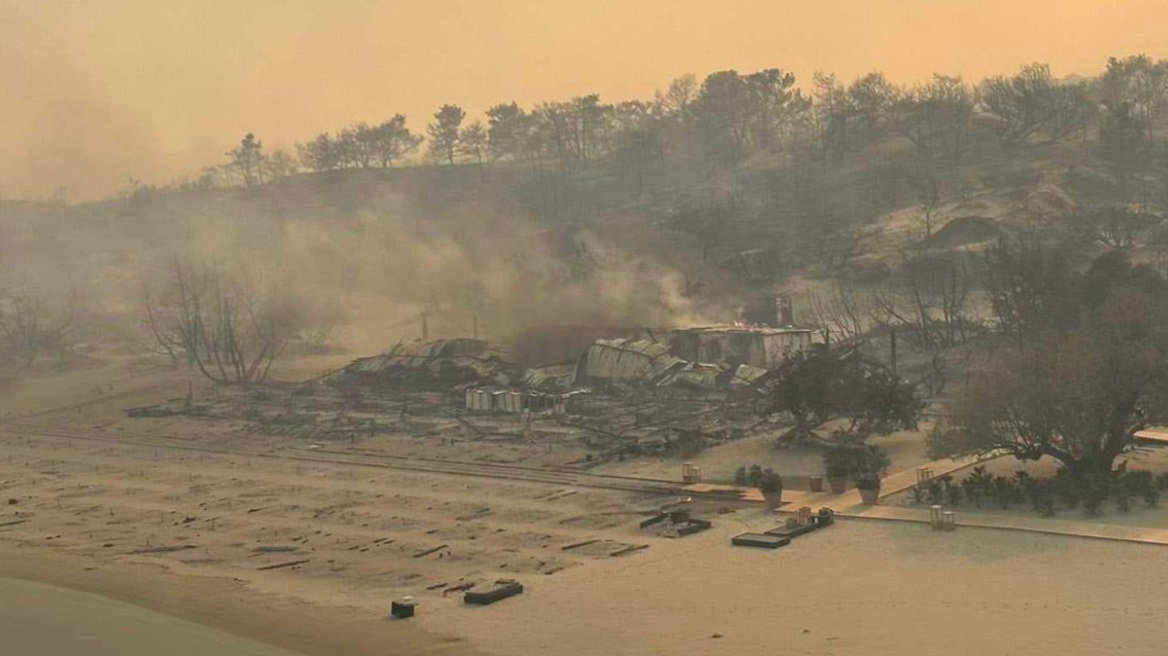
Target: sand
(180, 515)
(856, 588)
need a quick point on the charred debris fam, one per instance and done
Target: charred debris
(671, 393)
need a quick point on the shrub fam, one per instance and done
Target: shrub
(952, 492)
(767, 480)
(1162, 481)
(1066, 488)
(972, 489)
(1005, 492)
(1089, 491)
(855, 460)
(1093, 491)
(1152, 497)
(935, 490)
(1122, 492)
(979, 485)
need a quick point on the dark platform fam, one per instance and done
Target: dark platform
(502, 589)
(790, 532)
(759, 540)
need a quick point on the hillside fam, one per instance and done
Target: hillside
(505, 248)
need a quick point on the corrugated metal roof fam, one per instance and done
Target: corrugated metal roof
(696, 375)
(551, 377)
(758, 330)
(417, 354)
(624, 360)
(746, 375)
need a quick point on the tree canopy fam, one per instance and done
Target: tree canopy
(825, 387)
(1077, 389)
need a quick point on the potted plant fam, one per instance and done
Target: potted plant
(868, 466)
(771, 486)
(837, 466)
(869, 487)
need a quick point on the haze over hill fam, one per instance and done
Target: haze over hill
(675, 210)
(156, 91)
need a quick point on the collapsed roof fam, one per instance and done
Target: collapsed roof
(613, 363)
(643, 363)
(626, 360)
(443, 361)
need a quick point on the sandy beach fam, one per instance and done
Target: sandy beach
(247, 534)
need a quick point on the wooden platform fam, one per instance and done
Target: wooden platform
(502, 589)
(790, 532)
(759, 540)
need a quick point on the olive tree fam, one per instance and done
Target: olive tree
(824, 387)
(1077, 391)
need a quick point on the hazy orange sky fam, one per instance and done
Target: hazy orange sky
(96, 91)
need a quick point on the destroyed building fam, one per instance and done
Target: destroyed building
(647, 364)
(443, 362)
(608, 361)
(765, 348)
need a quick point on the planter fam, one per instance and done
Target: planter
(839, 484)
(773, 498)
(816, 483)
(869, 495)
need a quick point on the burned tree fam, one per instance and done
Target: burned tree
(1114, 225)
(930, 300)
(1032, 106)
(219, 324)
(839, 314)
(31, 327)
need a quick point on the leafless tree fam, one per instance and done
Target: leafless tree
(1033, 106)
(930, 300)
(840, 314)
(929, 195)
(1114, 226)
(30, 327)
(935, 117)
(219, 324)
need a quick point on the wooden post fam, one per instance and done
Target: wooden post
(924, 475)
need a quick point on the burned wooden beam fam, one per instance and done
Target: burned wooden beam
(427, 552)
(291, 563)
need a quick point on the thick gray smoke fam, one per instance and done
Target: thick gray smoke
(372, 270)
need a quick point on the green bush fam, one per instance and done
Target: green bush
(767, 479)
(855, 460)
(1044, 495)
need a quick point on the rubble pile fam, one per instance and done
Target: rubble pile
(620, 397)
